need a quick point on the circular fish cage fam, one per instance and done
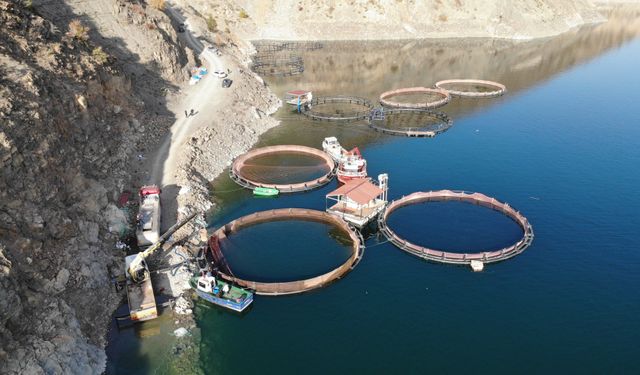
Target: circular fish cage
(297, 286)
(476, 88)
(275, 65)
(440, 98)
(401, 122)
(242, 166)
(489, 256)
(359, 108)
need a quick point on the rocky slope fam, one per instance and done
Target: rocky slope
(392, 19)
(75, 105)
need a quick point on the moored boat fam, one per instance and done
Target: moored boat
(351, 164)
(300, 99)
(221, 293)
(265, 192)
(353, 167)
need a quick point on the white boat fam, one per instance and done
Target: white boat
(354, 166)
(351, 164)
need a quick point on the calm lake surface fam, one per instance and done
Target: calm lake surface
(562, 146)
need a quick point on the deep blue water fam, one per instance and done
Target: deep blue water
(280, 251)
(563, 147)
(566, 153)
(454, 226)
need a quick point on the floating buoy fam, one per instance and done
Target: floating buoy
(477, 265)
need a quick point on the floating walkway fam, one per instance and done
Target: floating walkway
(235, 172)
(381, 115)
(498, 88)
(457, 257)
(290, 287)
(443, 98)
(316, 114)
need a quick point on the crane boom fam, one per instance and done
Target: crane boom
(137, 271)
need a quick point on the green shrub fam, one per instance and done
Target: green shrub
(211, 24)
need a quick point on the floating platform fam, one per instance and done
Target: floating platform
(291, 287)
(443, 97)
(359, 201)
(381, 115)
(235, 172)
(498, 89)
(490, 256)
(315, 113)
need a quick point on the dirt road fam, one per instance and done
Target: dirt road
(201, 98)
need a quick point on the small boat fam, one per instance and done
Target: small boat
(352, 167)
(300, 99)
(331, 146)
(265, 192)
(351, 164)
(221, 293)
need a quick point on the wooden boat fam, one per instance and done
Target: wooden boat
(221, 293)
(265, 192)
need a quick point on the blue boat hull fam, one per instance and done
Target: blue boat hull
(235, 306)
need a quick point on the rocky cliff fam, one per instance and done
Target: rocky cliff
(75, 105)
(393, 19)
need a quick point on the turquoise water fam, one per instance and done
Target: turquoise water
(563, 147)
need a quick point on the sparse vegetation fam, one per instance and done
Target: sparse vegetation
(211, 23)
(78, 31)
(243, 14)
(28, 4)
(157, 4)
(100, 55)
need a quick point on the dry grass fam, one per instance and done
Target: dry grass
(100, 55)
(158, 4)
(78, 31)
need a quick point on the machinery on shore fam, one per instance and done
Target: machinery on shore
(142, 303)
(148, 220)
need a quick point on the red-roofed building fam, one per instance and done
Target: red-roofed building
(359, 201)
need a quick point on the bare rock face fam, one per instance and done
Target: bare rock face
(392, 19)
(71, 109)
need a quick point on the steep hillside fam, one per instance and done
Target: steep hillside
(393, 19)
(75, 106)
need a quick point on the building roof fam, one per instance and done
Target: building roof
(362, 191)
(297, 92)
